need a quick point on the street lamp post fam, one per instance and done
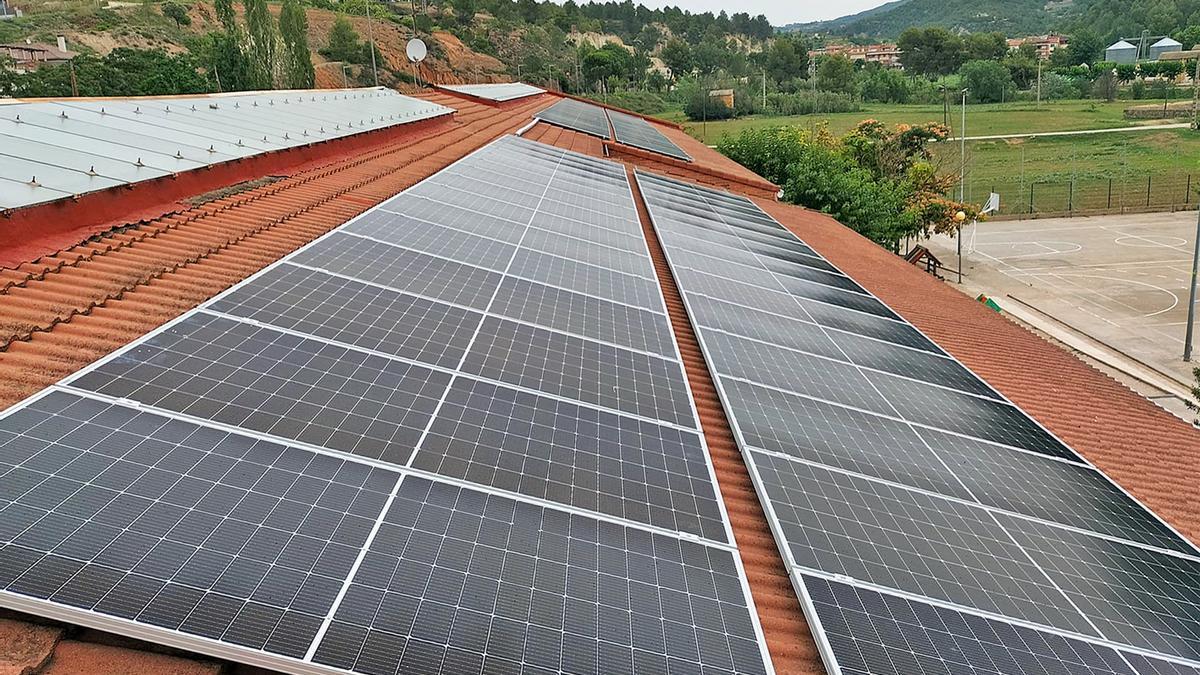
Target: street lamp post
(961, 217)
(1187, 341)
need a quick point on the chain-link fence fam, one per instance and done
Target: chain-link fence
(1149, 192)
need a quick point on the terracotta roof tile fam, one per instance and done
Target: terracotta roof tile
(87, 658)
(25, 647)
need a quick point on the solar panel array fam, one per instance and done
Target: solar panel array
(52, 150)
(452, 435)
(503, 91)
(931, 526)
(594, 120)
(639, 133)
(577, 115)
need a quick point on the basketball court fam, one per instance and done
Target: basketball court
(1121, 280)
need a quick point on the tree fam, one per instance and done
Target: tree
(343, 42)
(1022, 70)
(885, 85)
(710, 55)
(1084, 48)
(677, 55)
(930, 51)
(464, 11)
(262, 37)
(787, 58)
(989, 81)
(297, 68)
(177, 13)
(1189, 37)
(985, 47)
(835, 73)
(226, 15)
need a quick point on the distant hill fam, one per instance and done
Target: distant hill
(1012, 17)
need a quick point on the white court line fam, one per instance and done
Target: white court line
(1174, 296)
(1182, 248)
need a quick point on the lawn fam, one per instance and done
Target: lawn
(1078, 172)
(982, 120)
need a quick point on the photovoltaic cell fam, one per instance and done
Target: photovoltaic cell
(1134, 595)
(132, 515)
(291, 387)
(516, 441)
(580, 369)
(584, 315)
(458, 581)
(577, 115)
(876, 634)
(344, 310)
(437, 240)
(401, 269)
(909, 541)
(602, 282)
(639, 133)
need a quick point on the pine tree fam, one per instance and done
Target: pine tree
(261, 43)
(226, 14)
(293, 28)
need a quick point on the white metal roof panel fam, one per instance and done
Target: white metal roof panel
(505, 91)
(74, 146)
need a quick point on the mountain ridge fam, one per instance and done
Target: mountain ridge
(1012, 17)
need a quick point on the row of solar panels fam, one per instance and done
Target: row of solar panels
(930, 524)
(453, 435)
(595, 120)
(56, 149)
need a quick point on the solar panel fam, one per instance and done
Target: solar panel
(502, 91)
(437, 439)
(577, 115)
(930, 524)
(866, 626)
(639, 133)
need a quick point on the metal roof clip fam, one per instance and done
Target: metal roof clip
(137, 110)
(167, 109)
(92, 171)
(240, 144)
(139, 162)
(33, 181)
(178, 154)
(17, 119)
(213, 106)
(256, 104)
(212, 148)
(286, 137)
(193, 107)
(63, 114)
(264, 138)
(103, 111)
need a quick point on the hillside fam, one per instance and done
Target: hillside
(1012, 17)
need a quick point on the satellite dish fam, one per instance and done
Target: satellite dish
(416, 50)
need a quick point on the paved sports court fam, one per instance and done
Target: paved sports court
(1120, 279)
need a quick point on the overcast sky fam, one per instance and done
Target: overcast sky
(780, 12)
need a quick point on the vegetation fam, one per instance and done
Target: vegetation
(878, 180)
(123, 72)
(1015, 17)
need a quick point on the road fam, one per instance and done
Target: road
(1084, 132)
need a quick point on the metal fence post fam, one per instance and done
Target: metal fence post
(1148, 178)
(1031, 197)
(1109, 193)
(1187, 194)
(1071, 197)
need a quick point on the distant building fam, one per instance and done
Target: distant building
(1044, 45)
(7, 12)
(885, 54)
(1162, 47)
(725, 96)
(1121, 52)
(33, 55)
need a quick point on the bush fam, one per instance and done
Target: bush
(700, 106)
(808, 103)
(644, 102)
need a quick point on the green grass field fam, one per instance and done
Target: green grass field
(1070, 173)
(982, 120)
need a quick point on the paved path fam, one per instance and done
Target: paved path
(1083, 132)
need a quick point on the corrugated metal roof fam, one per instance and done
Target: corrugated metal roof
(505, 91)
(52, 149)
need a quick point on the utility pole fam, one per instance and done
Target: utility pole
(764, 89)
(74, 82)
(371, 39)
